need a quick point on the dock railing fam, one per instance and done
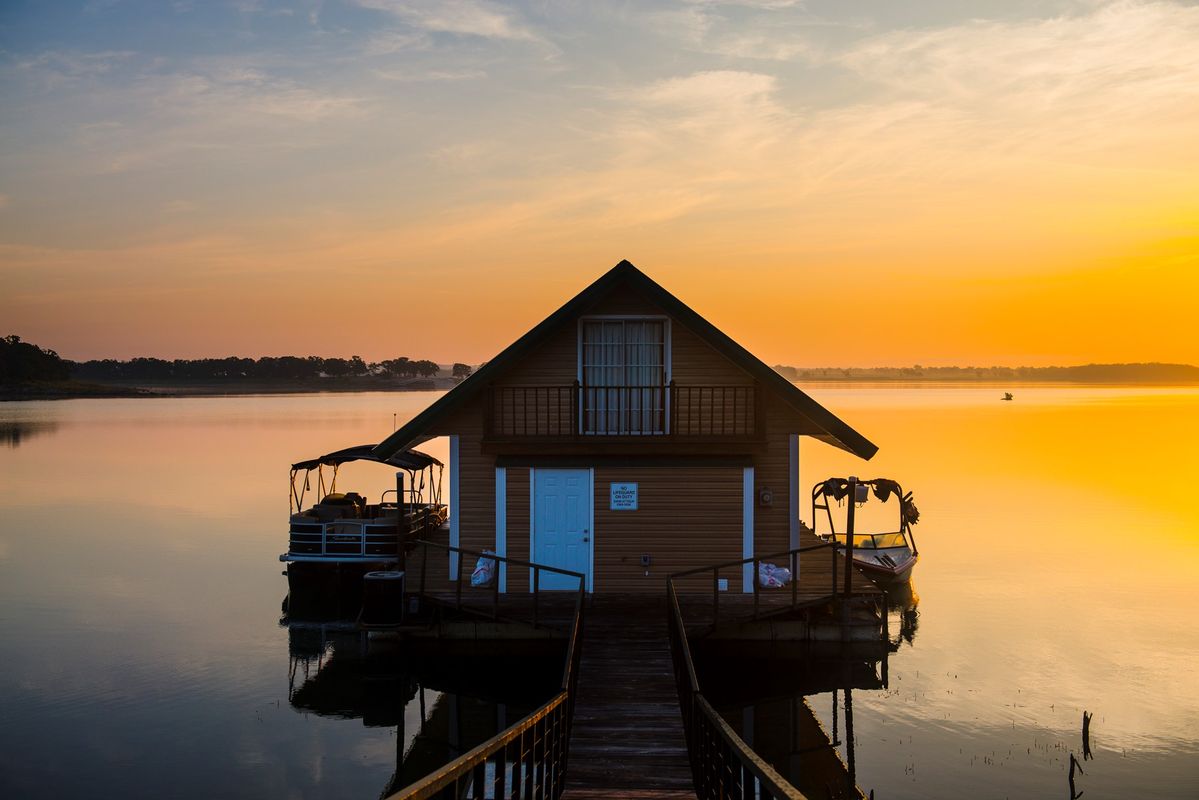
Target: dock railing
(722, 765)
(839, 587)
(491, 590)
(529, 758)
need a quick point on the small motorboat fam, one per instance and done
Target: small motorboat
(1007, 396)
(887, 557)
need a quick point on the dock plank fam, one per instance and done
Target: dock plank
(627, 740)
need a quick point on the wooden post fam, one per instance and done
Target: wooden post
(495, 589)
(794, 577)
(673, 404)
(401, 534)
(853, 493)
(757, 586)
(1086, 736)
(832, 548)
(576, 404)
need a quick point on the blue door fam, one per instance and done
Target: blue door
(562, 504)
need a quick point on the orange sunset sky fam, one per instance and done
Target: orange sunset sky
(832, 183)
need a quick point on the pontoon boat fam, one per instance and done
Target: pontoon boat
(344, 528)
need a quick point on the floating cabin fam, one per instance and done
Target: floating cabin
(626, 438)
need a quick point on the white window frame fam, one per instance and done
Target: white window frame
(667, 359)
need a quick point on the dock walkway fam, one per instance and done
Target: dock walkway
(627, 740)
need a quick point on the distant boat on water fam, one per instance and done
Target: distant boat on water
(1007, 395)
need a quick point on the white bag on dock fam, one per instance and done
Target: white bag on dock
(771, 576)
(484, 573)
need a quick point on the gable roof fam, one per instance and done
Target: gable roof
(833, 430)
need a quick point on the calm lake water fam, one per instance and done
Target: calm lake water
(142, 651)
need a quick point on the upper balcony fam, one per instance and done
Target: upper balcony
(600, 416)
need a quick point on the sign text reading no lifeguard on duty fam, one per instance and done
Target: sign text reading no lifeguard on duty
(623, 496)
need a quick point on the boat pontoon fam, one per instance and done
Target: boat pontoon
(344, 528)
(885, 558)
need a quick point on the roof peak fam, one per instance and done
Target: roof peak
(835, 431)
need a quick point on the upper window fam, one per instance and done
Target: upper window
(624, 375)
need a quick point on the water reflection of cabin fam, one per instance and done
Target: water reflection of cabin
(336, 672)
(626, 438)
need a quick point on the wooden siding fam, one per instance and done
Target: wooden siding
(772, 469)
(623, 300)
(686, 518)
(476, 479)
(518, 525)
(695, 362)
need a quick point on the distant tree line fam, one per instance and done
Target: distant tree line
(268, 368)
(1087, 373)
(23, 361)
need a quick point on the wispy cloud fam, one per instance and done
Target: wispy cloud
(717, 110)
(388, 42)
(766, 5)
(54, 69)
(432, 75)
(243, 93)
(759, 30)
(463, 17)
(1129, 47)
(1091, 80)
(169, 118)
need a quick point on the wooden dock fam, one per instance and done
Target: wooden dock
(627, 740)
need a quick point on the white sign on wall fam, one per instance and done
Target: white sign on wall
(623, 496)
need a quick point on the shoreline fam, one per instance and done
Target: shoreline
(993, 382)
(97, 391)
(77, 390)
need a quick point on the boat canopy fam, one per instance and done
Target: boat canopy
(404, 459)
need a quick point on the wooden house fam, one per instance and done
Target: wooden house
(625, 437)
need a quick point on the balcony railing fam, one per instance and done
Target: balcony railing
(666, 410)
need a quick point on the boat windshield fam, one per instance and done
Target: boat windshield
(872, 541)
(890, 540)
